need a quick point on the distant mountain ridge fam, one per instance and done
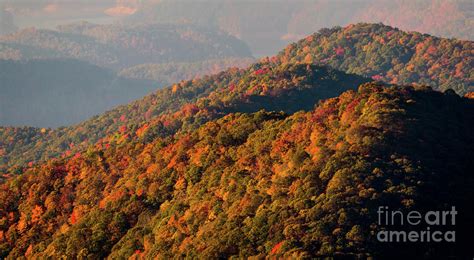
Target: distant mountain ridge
(177, 71)
(31, 90)
(119, 47)
(267, 26)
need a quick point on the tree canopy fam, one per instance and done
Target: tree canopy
(255, 184)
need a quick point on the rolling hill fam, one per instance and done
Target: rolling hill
(375, 51)
(257, 184)
(287, 82)
(388, 54)
(185, 105)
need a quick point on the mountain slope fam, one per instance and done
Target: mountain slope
(405, 57)
(258, 184)
(389, 54)
(120, 47)
(186, 105)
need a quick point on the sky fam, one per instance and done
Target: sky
(50, 13)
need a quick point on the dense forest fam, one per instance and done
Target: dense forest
(255, 184)
(265, 85)
(120, 46)
(290, 157)
(187, 104)
(57, 92)
(388, 54)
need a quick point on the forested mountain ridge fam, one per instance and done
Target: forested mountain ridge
(120, 46)
(388, 54)
(185, 105)
(262, 184)
(284, 159)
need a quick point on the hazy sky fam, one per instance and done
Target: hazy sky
(50, 13)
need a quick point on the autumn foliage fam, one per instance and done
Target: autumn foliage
(389, 54)
(284, 159)
(263, 183)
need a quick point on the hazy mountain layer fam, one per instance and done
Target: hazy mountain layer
(52, 93)
(120, 47)
(267, 26)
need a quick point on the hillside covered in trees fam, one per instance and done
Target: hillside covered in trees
(286, 158)
(256, 184)
(376, 51)
(121, 46)
(58, 92)
(373, 50)
(388, 54)
(187, 104)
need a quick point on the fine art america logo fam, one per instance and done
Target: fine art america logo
(431, 226)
